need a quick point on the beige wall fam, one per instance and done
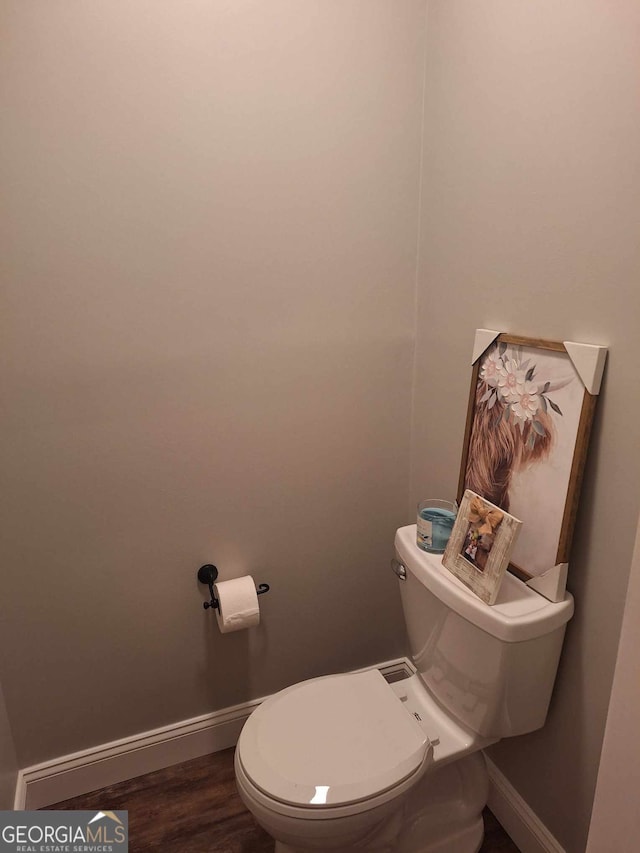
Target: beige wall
(8, 762)
(531, 186)
(615, 821)
(210, 272)
(209, 336)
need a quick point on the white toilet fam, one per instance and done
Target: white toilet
(350, 762)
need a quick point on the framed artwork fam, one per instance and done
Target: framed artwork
(478, 550)
(531, 407)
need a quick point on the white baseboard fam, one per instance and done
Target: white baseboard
(516, 816)
(99, 767)
(91, 769)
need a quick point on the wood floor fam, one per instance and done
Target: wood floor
(194, 808)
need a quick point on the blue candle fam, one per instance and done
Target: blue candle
(435, 524)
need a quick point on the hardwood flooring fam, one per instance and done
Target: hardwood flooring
(194, 808)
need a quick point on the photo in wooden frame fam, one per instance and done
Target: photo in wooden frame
(481, 542)
(531, 407)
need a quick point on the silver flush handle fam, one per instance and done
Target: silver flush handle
(399, 569)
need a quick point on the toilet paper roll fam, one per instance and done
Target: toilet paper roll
(239, 606)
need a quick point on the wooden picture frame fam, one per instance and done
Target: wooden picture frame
(531, 406)
(478, 550)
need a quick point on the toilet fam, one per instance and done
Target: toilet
(350, 762)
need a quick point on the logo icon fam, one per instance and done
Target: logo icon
(100, 815)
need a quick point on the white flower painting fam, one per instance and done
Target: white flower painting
(525, 423)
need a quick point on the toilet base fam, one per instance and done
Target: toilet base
(442, 814)
(468, 840)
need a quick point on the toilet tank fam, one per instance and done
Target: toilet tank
(491, 667)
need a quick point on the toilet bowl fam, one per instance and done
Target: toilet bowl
(351, 762)
(325, 762)
(368, 740)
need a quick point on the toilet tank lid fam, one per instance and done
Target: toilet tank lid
(519, 613)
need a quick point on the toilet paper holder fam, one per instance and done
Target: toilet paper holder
(208, 574)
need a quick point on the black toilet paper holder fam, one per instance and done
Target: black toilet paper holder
(208, 574)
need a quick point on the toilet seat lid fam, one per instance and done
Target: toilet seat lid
(331, 741)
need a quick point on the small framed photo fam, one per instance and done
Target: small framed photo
(480, 545)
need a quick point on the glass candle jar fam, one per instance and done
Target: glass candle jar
(435, 523)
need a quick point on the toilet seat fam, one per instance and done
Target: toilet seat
(332, 742)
